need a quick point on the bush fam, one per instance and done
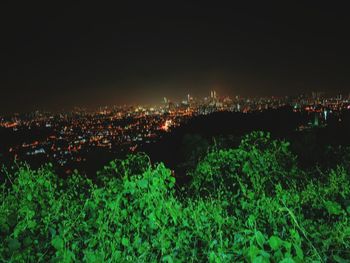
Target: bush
(258, 164)
(252, 203)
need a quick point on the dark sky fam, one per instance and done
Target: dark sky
(57, 54)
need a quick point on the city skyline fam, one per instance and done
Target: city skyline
(69, 138)
(319, 97)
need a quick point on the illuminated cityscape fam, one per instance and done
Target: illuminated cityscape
(67, 138)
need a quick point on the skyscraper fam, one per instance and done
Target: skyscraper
(213, 94)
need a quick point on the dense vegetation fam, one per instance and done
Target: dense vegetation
(251, 203)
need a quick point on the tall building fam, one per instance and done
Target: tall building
(213, 94)
(317, 95)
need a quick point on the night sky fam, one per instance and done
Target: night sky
(57, 55)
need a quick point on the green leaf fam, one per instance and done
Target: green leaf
(339, 259)
(333, 208)
(52, 231)
(287, 260)
(253, 251)
(212, 257)
(287, 245)
(172, 182)
(348, 209)
(246, 168)
(125, 241)
(57, 242)
(142, 183)
(168, 259)
(299, 252)
(275, 242)
(260, 239)
(259, 259)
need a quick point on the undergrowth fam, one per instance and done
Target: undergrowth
(248, 204)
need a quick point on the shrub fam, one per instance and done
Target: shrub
(251, 204)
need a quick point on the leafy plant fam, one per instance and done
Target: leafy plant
(251, 203)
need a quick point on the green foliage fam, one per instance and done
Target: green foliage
(258, 164)
(248, 204)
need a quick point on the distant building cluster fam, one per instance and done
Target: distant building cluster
(68, 137)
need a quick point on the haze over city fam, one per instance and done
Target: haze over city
(91, 54)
